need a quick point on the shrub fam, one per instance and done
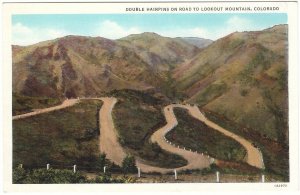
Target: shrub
(19, 175)
(101, 162)
(107, 178)
(44, 176)
(244, 92)
(128, 164)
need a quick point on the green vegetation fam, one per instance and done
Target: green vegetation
(282, 76)
(235, 43)
(244, 92)
(23, 104)
(169, 88)
(128, 164)
(210, 93)
(102, 161)
(44, 176)
(261, 62)
(275, 155)
(107, 178)
(201, 72)
(195, 135)
(281, 122)
(62, 176)
(62, 137)
(137, 116)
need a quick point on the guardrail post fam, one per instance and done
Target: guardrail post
(263, 178)
(74, 168)
(104, 169)
(175, 174)
(21, 166)
(48, 166)
(218, 176)
(139, 172)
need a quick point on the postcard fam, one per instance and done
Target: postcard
(149, 96)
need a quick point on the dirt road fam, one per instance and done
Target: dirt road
(109, 142)
(110, 145)
(254, 155)
(66, 103)
(195, 160)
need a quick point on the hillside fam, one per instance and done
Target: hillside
(161, 53)
(196, 41)
(242, 77)
(74, 66)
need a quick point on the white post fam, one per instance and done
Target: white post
(48, 166)
(175, 174)
(139, 172)
(104, 169)
(263, 178)
(21, 166)
(218, 176)
(74, 168)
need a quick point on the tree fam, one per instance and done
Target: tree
(128, 164)
(101, 162)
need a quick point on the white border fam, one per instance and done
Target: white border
(27, 8)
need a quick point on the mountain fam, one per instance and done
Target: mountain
(242, 77)
(161, 53)
(196, 41)
(78, 66)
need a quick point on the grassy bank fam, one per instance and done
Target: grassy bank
(137, 116)
(63, 137)
(63, 176)
(195, 135)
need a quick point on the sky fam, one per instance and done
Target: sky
(33, 28)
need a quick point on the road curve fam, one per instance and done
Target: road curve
(195, 160)
(109, 142)
(254, 156)
(110, 145)
(66, 103)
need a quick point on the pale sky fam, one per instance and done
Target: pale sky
(33, 28)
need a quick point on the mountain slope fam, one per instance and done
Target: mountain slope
(243, 77)
(161, 53)
(198, 42)
(78, 66)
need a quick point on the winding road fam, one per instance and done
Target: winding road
(254, 155)
(110, 145)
